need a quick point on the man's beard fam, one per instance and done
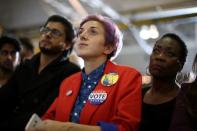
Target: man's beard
(51, 50)
(7, 68)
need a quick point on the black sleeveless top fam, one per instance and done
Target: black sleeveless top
(156, 117)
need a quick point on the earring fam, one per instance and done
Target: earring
(179, 79)
(187, 77)
(147, 71)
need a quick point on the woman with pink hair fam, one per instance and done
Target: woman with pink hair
(103, 96)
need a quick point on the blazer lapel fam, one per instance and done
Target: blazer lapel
(89, 109)
(70, 95)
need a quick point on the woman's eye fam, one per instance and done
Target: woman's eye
(155, 51)
(170, 54)
(93, 32)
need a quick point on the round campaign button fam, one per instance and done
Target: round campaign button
(109, 79)
(69, 92)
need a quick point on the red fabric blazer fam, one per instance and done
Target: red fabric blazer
(121, 107)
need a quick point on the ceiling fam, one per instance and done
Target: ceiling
(24, 17)
(31, 13)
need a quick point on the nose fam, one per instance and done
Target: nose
(83, 35)
(9, 56)
(160, 56)
(48, 34)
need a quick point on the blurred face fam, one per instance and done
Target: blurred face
(9, 57)
(52, 40)
(164, 60)
(26, 54)
(90, 42)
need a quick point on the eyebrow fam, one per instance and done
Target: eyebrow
(52, 28)
(94, 27)
(167, 48)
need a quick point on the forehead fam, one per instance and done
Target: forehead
(168, 43)
(56, 25)
(8, 46)
(92, 24)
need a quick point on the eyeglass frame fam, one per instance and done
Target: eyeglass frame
(54, 32)
(6, 53)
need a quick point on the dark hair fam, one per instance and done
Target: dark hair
(10, 40)
(26, 42)
(184, 51)
(113, 36)
(69, 30)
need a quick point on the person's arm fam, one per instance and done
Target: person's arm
(50, 113)
(180, 120)
(128, 109)
(127, 112)
(50, 125)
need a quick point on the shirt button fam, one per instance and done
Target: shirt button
(89, 86)
(75, 114)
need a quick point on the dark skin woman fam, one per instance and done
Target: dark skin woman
(167, 59)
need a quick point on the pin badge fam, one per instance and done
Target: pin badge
(97, 97)
(69, 92)
(109, 79)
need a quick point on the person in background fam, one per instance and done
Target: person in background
(27, 48)
(35, 83)
(185, 113)
(102, 97)
(167, 58)
(9, 57)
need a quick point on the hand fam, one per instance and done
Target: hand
(50, 125)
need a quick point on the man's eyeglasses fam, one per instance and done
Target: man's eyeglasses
(6, 53)
(54, 32)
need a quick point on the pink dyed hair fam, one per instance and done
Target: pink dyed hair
(113, 36)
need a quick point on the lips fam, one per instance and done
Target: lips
(45, 42)
(82, 45)
(157, 67)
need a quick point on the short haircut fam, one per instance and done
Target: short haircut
(69, 30)
(184, 51)
(113, 36)
(26, 42)
(10, 40)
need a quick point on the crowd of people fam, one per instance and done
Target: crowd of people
(103, 95)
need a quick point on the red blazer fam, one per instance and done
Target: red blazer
(121, 107)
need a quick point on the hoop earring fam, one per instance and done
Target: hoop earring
(147, 71)
(179, 79)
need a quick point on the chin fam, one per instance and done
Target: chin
(82, 56)
(80, 53)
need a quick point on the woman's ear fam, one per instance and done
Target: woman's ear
(108, 49)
